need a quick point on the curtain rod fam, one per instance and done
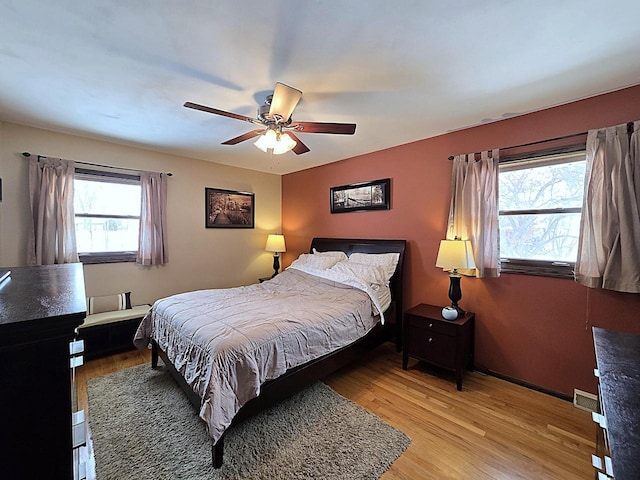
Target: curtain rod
(629, 131)
(538, 142)
(168, 174)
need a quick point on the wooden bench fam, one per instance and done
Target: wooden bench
(111, 332)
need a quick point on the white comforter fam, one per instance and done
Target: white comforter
(227, 342)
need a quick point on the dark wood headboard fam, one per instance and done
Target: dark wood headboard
(359, 245)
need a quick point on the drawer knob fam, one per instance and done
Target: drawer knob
(596, 462)
(76, 347)
(75, 362)
(599, 419)
(430, 339)
(608, 466)
(430, 325)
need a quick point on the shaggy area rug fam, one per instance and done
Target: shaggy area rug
(143, 427)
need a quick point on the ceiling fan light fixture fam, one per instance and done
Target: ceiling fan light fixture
(285, 143)
(266, 141)
(277, 142)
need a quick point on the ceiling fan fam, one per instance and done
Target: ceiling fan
(278, 129)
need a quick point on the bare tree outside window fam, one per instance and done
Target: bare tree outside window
(540, 202)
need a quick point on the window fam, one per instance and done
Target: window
(107, 216)
(540, 203)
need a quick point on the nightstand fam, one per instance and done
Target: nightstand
(445, 343)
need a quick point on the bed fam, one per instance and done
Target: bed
(235, 352)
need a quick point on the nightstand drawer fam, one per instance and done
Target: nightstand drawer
(433, 347)
(432, 326)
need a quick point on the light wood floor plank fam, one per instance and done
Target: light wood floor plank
(492, 430)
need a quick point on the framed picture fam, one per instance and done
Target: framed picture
(228, 208)
(372, 195)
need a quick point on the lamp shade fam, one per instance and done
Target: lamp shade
(455, 254)
(275, 243)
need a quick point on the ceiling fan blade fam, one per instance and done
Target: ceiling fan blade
(322, 127)
(285, 99)
(243, 137)
(215, 111)
(300, 147)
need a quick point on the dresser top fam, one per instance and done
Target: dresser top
(618, 360)
(47, 291)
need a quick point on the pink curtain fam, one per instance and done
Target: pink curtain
(52, 238)
(473, 214)
(152, 247)
(609, 244)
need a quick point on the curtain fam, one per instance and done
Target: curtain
(609, 242)
(152, 240)
(52, 238)
(473, 214)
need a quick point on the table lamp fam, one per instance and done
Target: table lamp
(275, 243)
(452, 255)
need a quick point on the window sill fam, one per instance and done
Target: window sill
(107, 257)
(538, 268)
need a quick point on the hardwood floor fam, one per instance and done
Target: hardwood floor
(493, 429)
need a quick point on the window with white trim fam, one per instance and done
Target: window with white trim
(540, 203)
(107, 216)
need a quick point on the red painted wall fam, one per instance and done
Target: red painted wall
(535, 329)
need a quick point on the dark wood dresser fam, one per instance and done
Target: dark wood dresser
(618, 371)
(40, 309)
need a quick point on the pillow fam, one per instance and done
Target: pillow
(369, 274)
(387, 261)
(316, 262)
(337, 254)
(109, 303)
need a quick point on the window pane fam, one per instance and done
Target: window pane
(106, 198)
(544, 186)
(106, 234)
(552, 237)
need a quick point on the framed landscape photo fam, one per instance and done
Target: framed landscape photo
(228, 208)
(372, 195)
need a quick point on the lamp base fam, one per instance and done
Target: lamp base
(276, 264)
(455, 292)
(461, 312)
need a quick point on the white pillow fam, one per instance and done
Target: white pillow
(387, 261)
(337, 254)
(316, 262)
(369, 274)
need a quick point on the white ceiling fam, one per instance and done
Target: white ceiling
(403, 70)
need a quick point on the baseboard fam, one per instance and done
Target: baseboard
(522, 383)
